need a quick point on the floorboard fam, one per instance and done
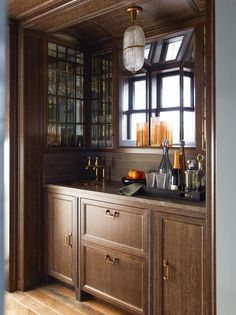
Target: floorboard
(54, 299)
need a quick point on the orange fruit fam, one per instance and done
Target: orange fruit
(136, 174)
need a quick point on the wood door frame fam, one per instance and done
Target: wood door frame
(210, 153)
(12, 107)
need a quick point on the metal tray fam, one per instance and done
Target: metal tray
(175, 194)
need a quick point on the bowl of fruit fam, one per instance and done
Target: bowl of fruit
(134, 176)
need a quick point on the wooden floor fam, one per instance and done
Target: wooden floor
(54, 299)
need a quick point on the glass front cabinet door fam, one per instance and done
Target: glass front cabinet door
(101, 100)
(65, 97)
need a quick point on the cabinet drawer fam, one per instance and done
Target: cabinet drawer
(114, 276)
(106, 222)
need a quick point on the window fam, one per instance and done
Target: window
(163, 89)
(175, 104)
(134, 107)
(171, 48)
(147, 51)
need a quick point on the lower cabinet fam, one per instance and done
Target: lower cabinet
(62, 231)
(147, 262)
(114, 253)
(179, 265)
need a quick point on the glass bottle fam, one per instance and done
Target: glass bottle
(165, 165)
(176, 175)
(182, 163)
(201, 176)
(190, 176)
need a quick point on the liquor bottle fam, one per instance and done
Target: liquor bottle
(165, 165)
(182, 163)
(201, 177)
(176, 173)
(190, 176)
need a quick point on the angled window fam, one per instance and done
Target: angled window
(147, 51)
(171, 48)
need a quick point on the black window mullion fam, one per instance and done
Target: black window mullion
(181, 96)
(130, 107)
(159, 93)
(192, 91)
(149, 103)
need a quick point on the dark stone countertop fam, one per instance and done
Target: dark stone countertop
(109, 192)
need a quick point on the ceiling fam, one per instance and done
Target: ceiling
(100, 20)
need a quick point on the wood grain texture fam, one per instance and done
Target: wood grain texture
(30, 159)
(211, 157)
(61, 218)
(12, 105)
(93, 21)
(62, 166)
(126, 231)
(180, 241)
(54, 299)
(124, 283)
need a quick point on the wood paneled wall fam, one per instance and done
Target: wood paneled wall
(12, 107)
(70, 166)
(30, 136)
(63, 166)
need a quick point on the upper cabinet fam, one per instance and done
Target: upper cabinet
(69, 101)
(101, 100)
(65, 96)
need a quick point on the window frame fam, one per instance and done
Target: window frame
(153, 81)
(181, 108)
(131, 110)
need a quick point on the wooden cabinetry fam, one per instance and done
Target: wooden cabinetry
(62, 233)
(114, 253)
(145, 256)
(179, 265)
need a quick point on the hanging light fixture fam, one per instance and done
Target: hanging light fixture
(133, 43)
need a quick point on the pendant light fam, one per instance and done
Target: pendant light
(133, 43)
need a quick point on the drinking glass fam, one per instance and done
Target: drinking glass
(150, 179)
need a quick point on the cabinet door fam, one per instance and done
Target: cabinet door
(62, 237)
(179, 265)
(115, 276)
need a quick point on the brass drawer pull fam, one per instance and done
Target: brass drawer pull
(109, 214)
(165, 270)
(111, 261)
(68, 239)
